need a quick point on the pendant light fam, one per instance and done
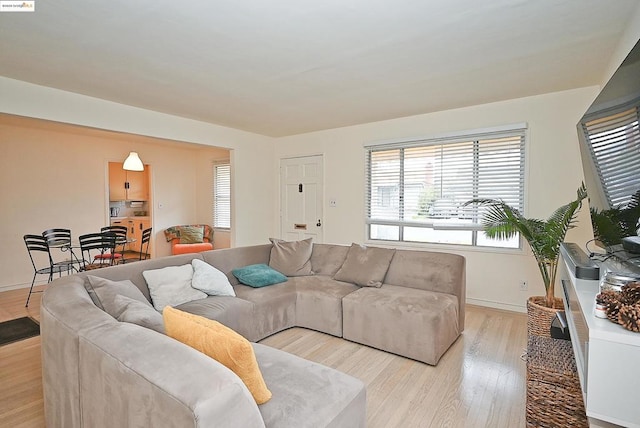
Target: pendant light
(133, 163)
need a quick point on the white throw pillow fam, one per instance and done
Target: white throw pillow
(171, 286)
(210, 280)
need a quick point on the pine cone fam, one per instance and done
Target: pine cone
(631, 293)
(613, 310)
(607, 296)
(629, 316)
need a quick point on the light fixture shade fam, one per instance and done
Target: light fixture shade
(133, 163)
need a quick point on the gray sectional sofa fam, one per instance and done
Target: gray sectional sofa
(100, 372)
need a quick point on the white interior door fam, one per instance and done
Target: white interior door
(301, 190)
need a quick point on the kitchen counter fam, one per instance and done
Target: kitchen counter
(133, 217)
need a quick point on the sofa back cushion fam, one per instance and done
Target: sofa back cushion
(228, 259)
(365, 266)
(433, 271)
(326, 259)
(291, 258)
(427, 270)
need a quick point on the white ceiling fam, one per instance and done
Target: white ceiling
(283, 67)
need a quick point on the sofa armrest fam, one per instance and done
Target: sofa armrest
(161, 383)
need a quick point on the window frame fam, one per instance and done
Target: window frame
(471, 136)
(215, 192)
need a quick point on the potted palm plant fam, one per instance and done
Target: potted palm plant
(610, 226)
(501, 221)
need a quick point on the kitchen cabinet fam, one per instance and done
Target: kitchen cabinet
(128, 185)
(136, 226)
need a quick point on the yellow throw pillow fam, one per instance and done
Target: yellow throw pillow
(220, 343)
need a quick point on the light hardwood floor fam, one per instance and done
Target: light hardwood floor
(479, 382)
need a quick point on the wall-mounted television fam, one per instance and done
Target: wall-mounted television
(610, 148)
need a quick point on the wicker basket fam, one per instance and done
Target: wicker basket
(554, 397)
(539, 317)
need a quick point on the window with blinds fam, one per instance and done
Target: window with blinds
(416, 190)
(614, 144)
(222, 195)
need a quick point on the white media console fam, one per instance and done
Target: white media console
(607, 355)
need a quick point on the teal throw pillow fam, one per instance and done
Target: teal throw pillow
(259, 275)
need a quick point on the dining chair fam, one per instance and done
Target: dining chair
(93, 247)
(60, 239)
(42, 262)
(144, 243)
(121, 241)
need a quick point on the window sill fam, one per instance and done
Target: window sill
(429, 246)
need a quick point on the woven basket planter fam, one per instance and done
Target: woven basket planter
(539, 317)
(554, 397)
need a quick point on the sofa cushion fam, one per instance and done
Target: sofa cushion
(210, 280)
(319, 302)
(104, 291)
(235, 313)
(171, 286)
(135, 312)
(177, 248)
(307, 394)
(274, 306)
(259, 275)
(291, 258)
(414, 323)
(191, 234)
(327, 259)
(365, 266)
(220, 343)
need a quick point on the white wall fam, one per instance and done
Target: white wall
(554, 172)
(252, 177)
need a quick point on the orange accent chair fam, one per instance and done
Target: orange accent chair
(173, 235)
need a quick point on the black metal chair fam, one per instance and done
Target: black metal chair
(121, 241)
(94, 246)
(61, 239)
(37, 244)
(144, 244)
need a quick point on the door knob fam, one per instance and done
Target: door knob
(319, 224)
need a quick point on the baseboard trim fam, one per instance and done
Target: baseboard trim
(497, 305)
(18, 286)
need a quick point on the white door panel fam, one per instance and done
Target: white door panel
(301, 184)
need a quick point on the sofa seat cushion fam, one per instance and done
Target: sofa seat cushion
(274, 306)
(191, 248)
(319, 303)
(307, 394)
(235, 313)
(414, 323)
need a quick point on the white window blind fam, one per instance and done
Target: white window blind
(416, 190)
(222, 195)
(614, 143)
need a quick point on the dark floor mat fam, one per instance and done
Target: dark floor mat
(18, 329)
